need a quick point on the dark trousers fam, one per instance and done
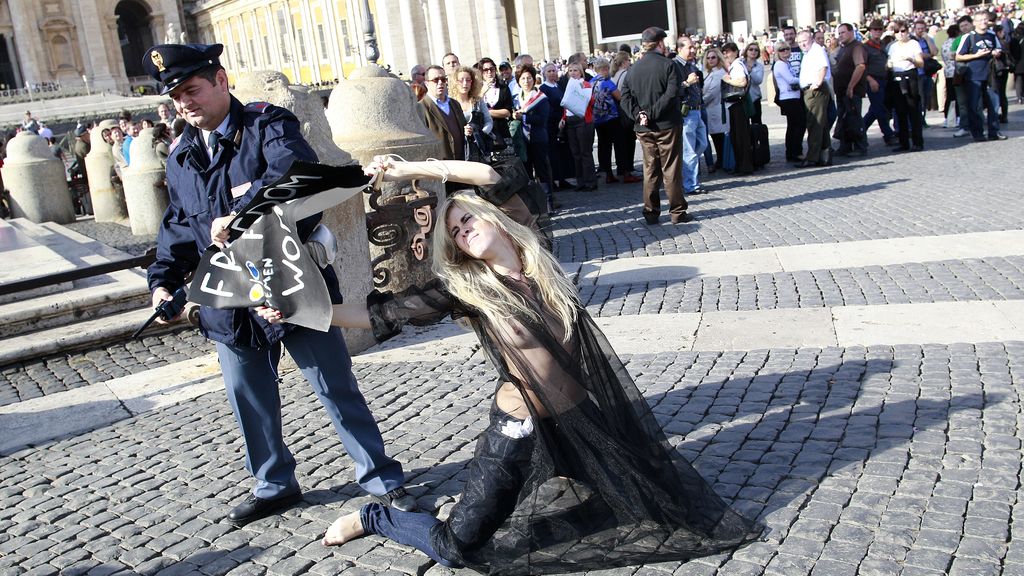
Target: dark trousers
(625, 149)
(662, 163)
(979, 97)
(796, 125)
(739, 134)
(494, 479)
(878, 111)
(850, 124)
(818, 138)
(539, 165)
(607, 135)
(908, 113)
(581, 143)
(719, 141)
(756, 117)
(250, 378)
(950, 97)
(1004, 104)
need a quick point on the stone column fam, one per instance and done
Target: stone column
(805, 15)
(347, 220)
(372, 113)
(26, 39)
(404, 59)
(333, 45)
(564, 18)
(903, 6)
(758, 16)
(713, 17)
(145, 193)
(36, 181)
(15, 64)
(851, 11)
(107, 203)
(545, 33)
(436, 27)
(92, 40)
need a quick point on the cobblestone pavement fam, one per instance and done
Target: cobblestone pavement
(57, 373)
(862, 460)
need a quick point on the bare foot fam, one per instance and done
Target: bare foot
(345, 528)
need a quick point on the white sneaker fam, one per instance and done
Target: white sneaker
(945, 124)
(961, 133)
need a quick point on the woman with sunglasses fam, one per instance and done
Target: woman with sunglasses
(755, 75)
(498, 98)
(905, 57)
(718, 122)
(788, 97)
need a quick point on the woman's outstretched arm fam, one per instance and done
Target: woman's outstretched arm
(474, 173)
(344, 315)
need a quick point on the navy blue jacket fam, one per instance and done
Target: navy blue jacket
(260, 143)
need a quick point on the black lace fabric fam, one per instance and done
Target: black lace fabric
(596, 484)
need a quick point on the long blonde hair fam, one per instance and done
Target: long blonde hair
(475, 284)
(718, 54)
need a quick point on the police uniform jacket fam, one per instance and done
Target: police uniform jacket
(260, 143)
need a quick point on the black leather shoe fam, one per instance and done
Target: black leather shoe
(254, 508)
(997, 137)
(398, 499)
(682, 219)
(651, 220)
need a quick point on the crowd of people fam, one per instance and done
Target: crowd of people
(957, 61)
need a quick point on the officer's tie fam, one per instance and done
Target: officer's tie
(213, 140)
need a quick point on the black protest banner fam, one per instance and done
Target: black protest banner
(264, 261)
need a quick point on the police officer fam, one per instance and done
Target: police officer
(225, 155)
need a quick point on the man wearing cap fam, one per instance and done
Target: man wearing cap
(650, 96)
(226, 154)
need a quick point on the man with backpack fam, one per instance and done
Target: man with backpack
(977, 50)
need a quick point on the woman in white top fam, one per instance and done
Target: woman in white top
(468, 93)
(739, 122)
(718, 122)
(905, 57)
(787, 87)
(755, 69)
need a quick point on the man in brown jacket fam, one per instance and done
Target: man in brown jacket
(650, 96)
(444, 117)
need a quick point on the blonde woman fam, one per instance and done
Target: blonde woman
(573, 472)
(468, 92)
(718, 122)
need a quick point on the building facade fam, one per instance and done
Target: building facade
(100, 43)
(74, 42)
(314, 41)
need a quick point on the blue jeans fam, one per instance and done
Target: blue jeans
(250, 379)
(975, 90)
(695, 141)
(877, 112)
(409, 528)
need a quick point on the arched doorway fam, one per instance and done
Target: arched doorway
(135, 33)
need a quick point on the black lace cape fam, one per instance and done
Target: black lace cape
(603, 488)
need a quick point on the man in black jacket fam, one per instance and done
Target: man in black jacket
(650, 96)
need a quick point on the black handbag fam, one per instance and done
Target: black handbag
(731, 94)
(932, 66)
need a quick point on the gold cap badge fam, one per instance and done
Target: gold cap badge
(158, 61)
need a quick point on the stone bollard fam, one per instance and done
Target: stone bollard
(145, 192)
(36, 181)
(347, 220)
(373, 112)
(107, 203)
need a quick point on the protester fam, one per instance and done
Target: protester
(569, 422)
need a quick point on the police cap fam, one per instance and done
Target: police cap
(172, 64)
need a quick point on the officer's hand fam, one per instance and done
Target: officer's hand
(219, 230)
(161, 295)
(271, 315)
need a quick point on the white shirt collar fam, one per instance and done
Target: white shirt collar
(221, 129)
